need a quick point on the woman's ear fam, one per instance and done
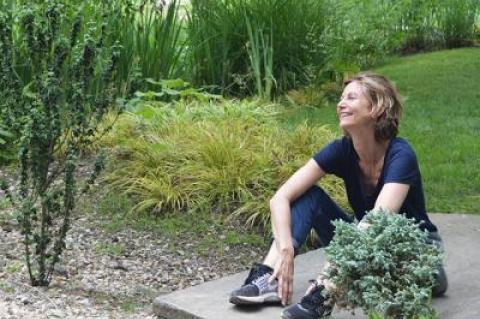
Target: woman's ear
(377, 110)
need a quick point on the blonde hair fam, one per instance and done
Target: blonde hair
(386, 102)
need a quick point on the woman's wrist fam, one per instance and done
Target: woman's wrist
(285, 248)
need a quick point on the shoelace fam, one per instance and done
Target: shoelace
(262, 282)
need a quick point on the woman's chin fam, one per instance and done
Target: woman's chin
(345, 125)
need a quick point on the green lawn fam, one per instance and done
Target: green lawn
(441, 120)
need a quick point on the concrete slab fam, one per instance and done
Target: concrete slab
(460, 232)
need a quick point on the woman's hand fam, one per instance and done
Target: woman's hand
(284, 273)
(363, 225)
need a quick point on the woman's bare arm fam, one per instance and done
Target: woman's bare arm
(294, 187)
(392, 196)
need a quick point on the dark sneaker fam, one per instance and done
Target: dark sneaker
(256, 288)
(314, 305)
(440, 285)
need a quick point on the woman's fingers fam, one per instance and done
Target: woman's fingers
(290, 285)
(285, 281)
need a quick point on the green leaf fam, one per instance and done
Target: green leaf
(171, 91)
(152, 81)
(146, 112)
(174, 84)
(5, 133)
(27, 93)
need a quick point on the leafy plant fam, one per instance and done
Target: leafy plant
(54, 115)
(172, 90)
(4, 134)
(387, 268)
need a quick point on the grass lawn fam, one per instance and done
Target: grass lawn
(441, 121)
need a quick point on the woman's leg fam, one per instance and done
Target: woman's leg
(314, 209)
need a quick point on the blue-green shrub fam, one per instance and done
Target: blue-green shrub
(387, 268)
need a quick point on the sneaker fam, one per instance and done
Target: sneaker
(256, 288)
(440, 285)
(314, 305)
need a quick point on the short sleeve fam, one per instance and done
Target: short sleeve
(402, 167)
(330, 158)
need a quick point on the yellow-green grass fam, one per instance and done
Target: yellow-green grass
(441, 120)
(223, 158)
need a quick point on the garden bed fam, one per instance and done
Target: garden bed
(110, 269)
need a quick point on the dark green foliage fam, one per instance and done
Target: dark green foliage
(224, 35)
(150, 35)
(54, 115)
(6, 147)
(387, 268)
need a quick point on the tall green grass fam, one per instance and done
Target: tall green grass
(225, 159)
(438, 24)
(152, 41)
(225, 34)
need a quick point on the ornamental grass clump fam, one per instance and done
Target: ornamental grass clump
(225, 158)
(387, 268)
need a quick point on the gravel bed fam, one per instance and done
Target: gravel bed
(105, 274)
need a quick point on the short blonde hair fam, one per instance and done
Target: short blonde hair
(385, 100)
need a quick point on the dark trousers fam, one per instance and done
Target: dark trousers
(315, 209)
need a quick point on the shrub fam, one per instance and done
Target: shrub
(54, 116)
(387, 268)
(224, 158)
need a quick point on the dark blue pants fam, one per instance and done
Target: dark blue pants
(315, 209)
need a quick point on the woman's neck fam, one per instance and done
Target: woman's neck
(369, 150)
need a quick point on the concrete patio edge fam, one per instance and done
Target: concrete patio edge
(167, 310)
(461, 233)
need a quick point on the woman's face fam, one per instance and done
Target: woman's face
(354, 109)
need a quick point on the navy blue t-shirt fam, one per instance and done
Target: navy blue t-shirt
(400, 166)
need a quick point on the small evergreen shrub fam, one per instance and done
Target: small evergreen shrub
(387, 268)
(225, 158)
(52, 117)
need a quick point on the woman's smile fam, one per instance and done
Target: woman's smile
(354, 107)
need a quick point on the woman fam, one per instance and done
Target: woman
(379, 170)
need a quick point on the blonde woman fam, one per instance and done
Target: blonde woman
(379, 169)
